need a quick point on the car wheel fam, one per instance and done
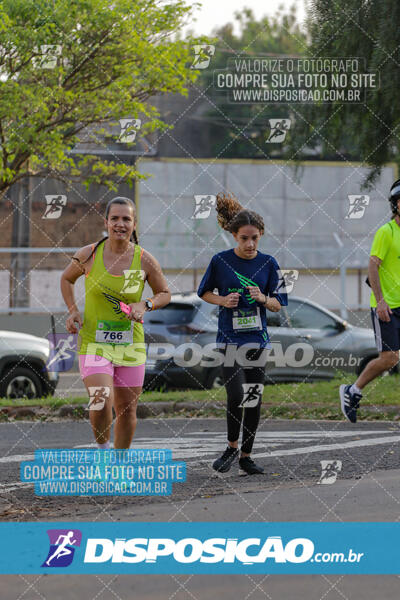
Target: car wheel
(214, 380)
(20, 382)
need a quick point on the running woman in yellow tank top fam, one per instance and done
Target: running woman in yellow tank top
(112, 353)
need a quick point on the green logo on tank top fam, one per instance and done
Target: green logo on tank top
(245, 282)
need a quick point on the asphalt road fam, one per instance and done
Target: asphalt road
(366, 489)
(290, 451)
(70, 385)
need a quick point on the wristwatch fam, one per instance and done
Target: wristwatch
(148, 304)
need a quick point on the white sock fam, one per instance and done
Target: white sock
(105, 446)
(355, 390)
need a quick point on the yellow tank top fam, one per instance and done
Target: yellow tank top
(106, 331)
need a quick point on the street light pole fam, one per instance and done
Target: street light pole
(21, 200)
(343, 308)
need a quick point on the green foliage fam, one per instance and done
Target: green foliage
(367, 29)
(114, 56)
(241, 130)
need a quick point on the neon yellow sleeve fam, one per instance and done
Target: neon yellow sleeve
(381, 243)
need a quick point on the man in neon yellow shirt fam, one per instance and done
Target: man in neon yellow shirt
(384, 279)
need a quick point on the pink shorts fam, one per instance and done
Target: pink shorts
(122, 376)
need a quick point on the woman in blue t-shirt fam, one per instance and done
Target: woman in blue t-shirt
(247, 282)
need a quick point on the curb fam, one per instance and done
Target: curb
(80, 411)
(147, 410)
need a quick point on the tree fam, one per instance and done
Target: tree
(241, 130)
(73, 68)
(369, 131)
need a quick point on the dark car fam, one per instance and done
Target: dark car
(308, 341)
(185, 320)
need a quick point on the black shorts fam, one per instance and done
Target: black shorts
(387, 333)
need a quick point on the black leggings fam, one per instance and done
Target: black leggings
(234, 378)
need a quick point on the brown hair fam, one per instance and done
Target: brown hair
(110, 203)
(232, 216)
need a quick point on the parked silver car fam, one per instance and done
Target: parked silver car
(309, 342)
(23, 371)
(315, 343)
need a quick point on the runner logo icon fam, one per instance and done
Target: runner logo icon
(279, 129)
(62, 351)
(129, 129)
(287, 278)
(203, 206)
(133, 280)
(330, 471)
(47, 56)
(98, 396)
(252, 394)
(62, 547)
(54, 206)
(357, 206)
(203, 55)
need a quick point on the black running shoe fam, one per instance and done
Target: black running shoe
(249, 467)
(224, 462)
(349, 403)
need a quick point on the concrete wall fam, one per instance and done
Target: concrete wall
(301, 212)
(319, 286)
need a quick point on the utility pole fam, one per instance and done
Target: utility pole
(20, 195)
(342, 267)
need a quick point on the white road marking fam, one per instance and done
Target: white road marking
(187, 447)
(324, 447)
(296, 434)
(9, 487)
(183, 447)
(290, 452)
(16, 458)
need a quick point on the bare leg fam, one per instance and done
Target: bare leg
(125, 403)
(101, 420)
(385, 361)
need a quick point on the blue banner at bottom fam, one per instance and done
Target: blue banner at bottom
(209, 548)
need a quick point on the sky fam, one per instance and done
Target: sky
(218, 12)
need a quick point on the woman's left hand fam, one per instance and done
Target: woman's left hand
(257, 294)
(137, 312)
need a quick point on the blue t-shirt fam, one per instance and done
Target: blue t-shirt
(247, 323)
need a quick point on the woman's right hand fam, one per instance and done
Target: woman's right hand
(231, 300)
(74, 317)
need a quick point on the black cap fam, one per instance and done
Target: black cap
(394, 195)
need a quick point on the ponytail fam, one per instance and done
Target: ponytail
(227, 208)
(232, 216)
